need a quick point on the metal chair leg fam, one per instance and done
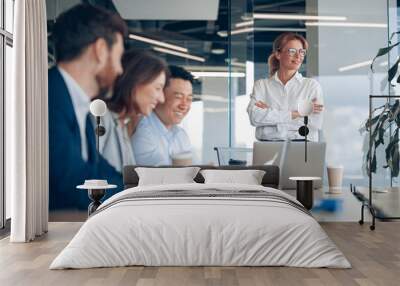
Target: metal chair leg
(219, 161)
(361, 221)
(372, 227)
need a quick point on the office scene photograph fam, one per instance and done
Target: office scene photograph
(213, 142)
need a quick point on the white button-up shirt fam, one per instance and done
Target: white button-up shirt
(275, 122)
(81, 104)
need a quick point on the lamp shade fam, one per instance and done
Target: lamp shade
(98, 107)
(304, 107)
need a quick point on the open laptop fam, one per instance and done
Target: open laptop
(292, 163)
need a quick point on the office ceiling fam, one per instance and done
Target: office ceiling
(203, 37)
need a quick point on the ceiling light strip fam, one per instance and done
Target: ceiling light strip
(280, 29)
(266, 29)
(347, 24)
(157, 43)
(238, 64)
(179, 54)
(241, 31)
(218, 74)
(244, 24)
(355, 66)
(267, 16)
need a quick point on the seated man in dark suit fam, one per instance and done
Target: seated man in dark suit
(89, 44)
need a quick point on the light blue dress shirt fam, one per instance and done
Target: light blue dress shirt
(153, 144)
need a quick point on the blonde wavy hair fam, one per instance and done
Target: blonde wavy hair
(279, 43)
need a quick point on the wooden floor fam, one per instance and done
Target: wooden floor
(374, 255)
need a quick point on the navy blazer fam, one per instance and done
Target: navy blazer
(67, 169)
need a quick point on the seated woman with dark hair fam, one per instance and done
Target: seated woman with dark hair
(136, 93)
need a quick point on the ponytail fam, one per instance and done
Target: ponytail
(273, 64)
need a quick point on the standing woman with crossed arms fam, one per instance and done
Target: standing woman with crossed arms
(274, 100)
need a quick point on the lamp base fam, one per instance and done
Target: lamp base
(95, 195)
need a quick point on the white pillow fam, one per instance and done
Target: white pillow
(164, 176)
(248, 177)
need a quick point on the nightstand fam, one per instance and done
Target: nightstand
(304, 190)
(96, 190)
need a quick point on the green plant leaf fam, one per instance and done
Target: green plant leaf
(371, 123)
(393, 70)
(395, 160)
(392, 35)
(392, 154)
(394, 111)
(390, 149)
(379, 126)
(397, 119)
(395, 106)
(367, 161)
(381, 134)
(383, 51)
(377, 108)
(373, 164)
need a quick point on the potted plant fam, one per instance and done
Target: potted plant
(384, 122)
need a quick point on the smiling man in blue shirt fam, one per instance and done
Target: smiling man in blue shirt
(158, 138)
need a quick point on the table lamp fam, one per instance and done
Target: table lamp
(97, 188)
(98, 108)
(305, 108)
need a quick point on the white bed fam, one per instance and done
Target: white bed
(250, 228)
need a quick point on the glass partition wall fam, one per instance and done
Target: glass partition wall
(343, 53)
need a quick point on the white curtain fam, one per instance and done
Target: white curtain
(26, 124)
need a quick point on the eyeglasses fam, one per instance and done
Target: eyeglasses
(293, 51)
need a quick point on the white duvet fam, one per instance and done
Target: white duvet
(200, 231)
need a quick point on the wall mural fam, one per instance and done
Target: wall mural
(193, 88)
